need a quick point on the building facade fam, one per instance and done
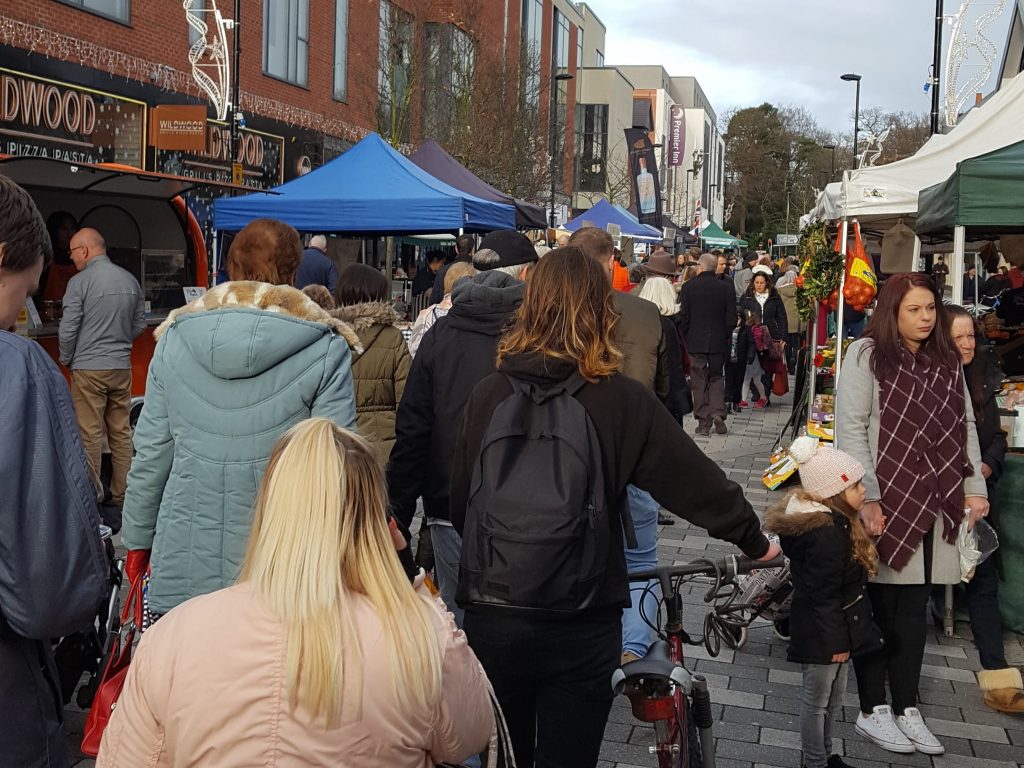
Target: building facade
(80, 77)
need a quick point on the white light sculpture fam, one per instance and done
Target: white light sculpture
(209, 55)
(960, 48)
(873, 150)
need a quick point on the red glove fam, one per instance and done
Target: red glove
(136, 565)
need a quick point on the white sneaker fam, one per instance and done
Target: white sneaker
(880, 727)
(913, 727)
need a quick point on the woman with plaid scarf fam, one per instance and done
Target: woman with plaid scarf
(902, 413)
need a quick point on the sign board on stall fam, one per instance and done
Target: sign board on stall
(175, 126)
(615, 230)
(193, 292)
(788, 240)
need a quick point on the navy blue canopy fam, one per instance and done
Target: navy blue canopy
(433, 159)
(604, 213)
(371, 189)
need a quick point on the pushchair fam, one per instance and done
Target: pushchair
(84, 653)
(762, 594)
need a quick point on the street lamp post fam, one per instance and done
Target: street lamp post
(832, 176)
(556, 77)
(852, 78)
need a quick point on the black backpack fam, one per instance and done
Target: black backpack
(537, 532)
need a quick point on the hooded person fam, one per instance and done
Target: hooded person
(232, 371)
(458, 352)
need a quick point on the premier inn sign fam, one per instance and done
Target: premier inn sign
(178, 127)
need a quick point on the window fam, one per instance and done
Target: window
(394, 103)
(198, 10)
(579, 47)
(448, 81)
(560, 61)
(341, 49)
(286, 40)
(592, 146)
(533, 20)
(599, 59)
(119, 10)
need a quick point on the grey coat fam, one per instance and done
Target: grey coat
(857, 425)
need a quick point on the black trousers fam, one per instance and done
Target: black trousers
(901, 613)
(552, 679)
(734, 381)
(983, 606)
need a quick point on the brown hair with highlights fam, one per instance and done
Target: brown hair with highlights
(862, 547)
(567, 314)
(267, 251)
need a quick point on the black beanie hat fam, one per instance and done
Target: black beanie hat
(504, 248)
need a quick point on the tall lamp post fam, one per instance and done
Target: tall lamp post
(852, 78)
(556, 78)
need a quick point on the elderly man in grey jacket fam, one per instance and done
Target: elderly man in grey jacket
(104, 311)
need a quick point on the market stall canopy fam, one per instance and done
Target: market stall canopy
(827, 207)
(604, 213)
(983, 194)
(433, 159)
(881, 195)
(371, 189)
(712, 234)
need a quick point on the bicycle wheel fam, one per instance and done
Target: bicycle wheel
(694, 756)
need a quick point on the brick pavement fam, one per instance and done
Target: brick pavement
(755, 691)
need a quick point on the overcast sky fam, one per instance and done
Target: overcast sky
(746, 52)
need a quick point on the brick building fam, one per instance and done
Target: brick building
(80, 77)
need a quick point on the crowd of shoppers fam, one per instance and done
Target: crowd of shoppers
(288, 437)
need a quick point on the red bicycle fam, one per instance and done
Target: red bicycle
(659, 687)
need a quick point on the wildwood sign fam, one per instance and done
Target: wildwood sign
(46, 118)
(178, 127)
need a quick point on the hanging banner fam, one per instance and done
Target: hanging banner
(677, 136)
(643, 167)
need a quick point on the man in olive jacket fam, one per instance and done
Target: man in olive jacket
(708, 315)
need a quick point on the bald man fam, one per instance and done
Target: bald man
(104, 310)
(316, 267)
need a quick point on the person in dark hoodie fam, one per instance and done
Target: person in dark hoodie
(457, 353)
(551, 672)
(53, 574)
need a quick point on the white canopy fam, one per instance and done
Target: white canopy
(828, 206)
(882, 194)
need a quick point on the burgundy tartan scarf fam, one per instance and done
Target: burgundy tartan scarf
(922, 455)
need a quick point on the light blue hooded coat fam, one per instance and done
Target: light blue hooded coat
(231, 373)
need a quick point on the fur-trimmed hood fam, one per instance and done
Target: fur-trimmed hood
(362, 316)
(796, 515)
(248, 294)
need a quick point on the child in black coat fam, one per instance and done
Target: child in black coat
(830, 557)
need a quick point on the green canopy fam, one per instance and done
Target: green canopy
(984, 194)
(714, 235)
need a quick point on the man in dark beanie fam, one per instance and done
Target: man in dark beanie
(459, 351)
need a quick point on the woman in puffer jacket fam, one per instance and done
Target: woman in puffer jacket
(382, 368)
(232, 371)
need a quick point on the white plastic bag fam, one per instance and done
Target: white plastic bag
(974, 545)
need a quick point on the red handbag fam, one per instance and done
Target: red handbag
(114, 673)
(780, 383)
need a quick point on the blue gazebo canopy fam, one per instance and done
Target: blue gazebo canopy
(371, 189)
(604, 213)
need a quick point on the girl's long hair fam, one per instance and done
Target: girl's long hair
(884, 329)
(320, 541)
(862, 547)
(975, 372)
(567, 314)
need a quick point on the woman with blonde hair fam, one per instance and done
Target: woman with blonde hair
(660, 292)
(232, 371)
(321, 654)
(427, 317)
(550, 664)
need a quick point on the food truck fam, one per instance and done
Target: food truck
(148, 229)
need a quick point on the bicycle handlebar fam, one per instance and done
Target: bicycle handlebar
(729, 567)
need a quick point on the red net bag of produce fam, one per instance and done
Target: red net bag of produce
(861, 282)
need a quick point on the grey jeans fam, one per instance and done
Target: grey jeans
(821, 699)
(447, 556)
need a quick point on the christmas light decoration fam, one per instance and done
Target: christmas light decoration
(960, 48)
(208, 55)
